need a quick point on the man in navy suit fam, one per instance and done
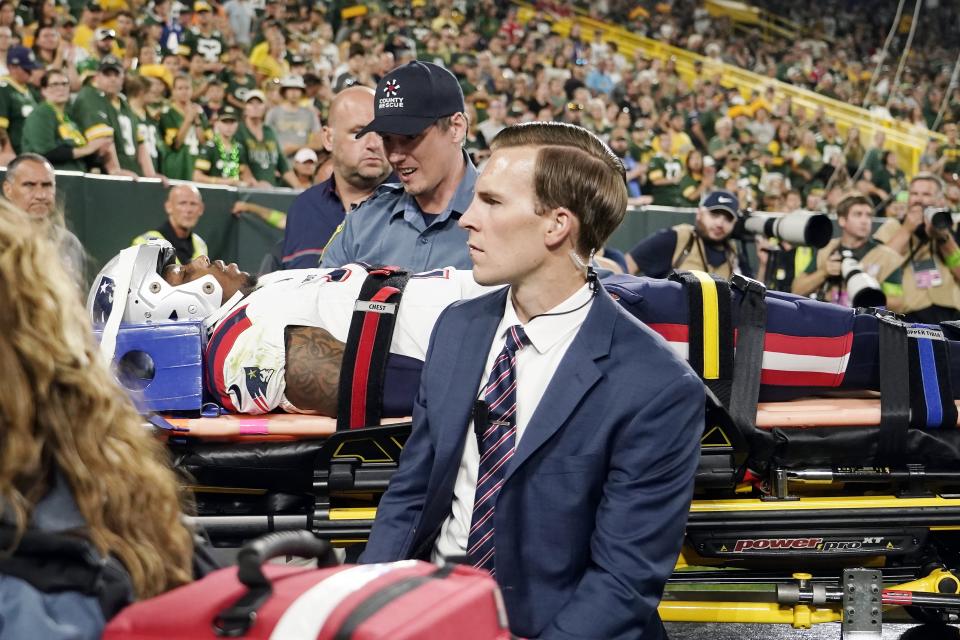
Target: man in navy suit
(555, 437)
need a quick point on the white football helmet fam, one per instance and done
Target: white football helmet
(149, 298)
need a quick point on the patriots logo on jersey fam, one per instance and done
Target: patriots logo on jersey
(103, 301)
(257, 380)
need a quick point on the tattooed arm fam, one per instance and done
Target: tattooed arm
(313, 359)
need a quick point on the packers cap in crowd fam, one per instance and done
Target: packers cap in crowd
(228, 113)
(110, 62)
(412, 97)
(722, 201)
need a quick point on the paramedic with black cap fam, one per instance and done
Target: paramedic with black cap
(419, 112)
(705, 246)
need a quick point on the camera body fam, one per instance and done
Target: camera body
(938, 217)
(863, 289)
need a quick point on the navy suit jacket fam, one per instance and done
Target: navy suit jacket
(591, 515)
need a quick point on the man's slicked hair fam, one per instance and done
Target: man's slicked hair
(575, 170)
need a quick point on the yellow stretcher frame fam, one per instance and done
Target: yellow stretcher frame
(799, 616)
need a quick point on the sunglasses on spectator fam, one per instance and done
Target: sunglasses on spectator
(58, 83)
(574, 106)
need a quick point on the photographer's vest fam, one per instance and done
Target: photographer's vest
(915, 296)
(690, 254)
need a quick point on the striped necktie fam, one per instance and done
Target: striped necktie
(496, 439)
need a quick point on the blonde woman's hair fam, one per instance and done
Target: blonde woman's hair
(61, 411)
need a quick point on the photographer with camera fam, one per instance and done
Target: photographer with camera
(920, 256)
(824, 278)
(704, 246)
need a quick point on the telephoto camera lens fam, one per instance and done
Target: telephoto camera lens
(798, 228)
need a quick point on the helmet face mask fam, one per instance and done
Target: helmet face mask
(150, 299)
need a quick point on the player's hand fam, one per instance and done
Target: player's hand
(239, 207)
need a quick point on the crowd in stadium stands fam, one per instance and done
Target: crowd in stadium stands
(236, 95)
(836, 54)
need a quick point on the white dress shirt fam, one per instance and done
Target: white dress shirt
(550, 337)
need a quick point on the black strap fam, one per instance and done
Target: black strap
(360, 393)
(695, 331)
(686, 252)
(894, 390)
(930, 381)
(378, 600)
(748, 365)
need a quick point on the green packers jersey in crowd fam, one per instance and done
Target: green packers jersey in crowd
(16, 103)
(49, 128)
(150, 134)
(668, 195)
(178, 162)
(264, 157)
(951, 154)
(98, 117)
(688, 190)
(238, 87)
(209, 46)
(748, 176)
(829, 148)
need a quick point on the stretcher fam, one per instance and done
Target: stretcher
(793, 492)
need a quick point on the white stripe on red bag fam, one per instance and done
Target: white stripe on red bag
(306, 615)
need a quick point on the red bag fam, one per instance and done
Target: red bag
(398, 600)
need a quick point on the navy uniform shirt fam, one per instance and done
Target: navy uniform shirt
(389, 228)
(311, 220)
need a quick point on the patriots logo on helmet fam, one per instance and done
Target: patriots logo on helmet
(103, 301)
(257, 380)
(391, 88)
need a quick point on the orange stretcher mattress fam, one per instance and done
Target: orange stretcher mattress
(796, 414)
(820, 412)
(279, 426)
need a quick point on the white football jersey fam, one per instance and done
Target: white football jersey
(245, 357)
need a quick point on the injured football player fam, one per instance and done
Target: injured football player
(276, 342)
